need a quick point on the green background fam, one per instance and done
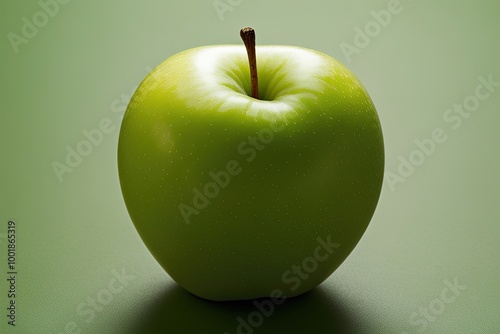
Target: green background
(81, 67)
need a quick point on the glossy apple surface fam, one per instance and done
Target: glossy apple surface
(236, 197)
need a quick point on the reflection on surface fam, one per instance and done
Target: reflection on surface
(177, 311)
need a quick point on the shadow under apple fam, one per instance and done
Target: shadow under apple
(177, 311)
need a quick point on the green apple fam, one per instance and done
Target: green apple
(240, 197)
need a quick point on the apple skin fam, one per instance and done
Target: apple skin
(318, 175)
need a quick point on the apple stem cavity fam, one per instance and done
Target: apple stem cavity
(248, 37)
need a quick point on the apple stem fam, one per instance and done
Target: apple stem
(248, 37)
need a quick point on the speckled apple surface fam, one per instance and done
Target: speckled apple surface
(228, 191)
